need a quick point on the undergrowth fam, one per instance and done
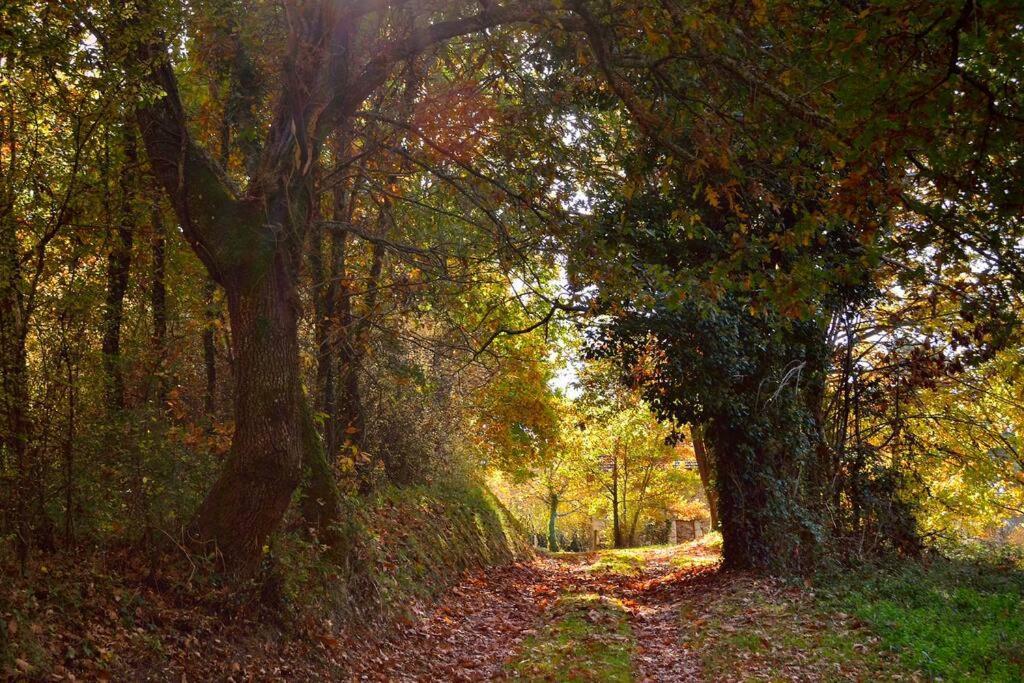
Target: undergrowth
(955, 619)
(114, 611)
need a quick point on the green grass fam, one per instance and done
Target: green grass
(748, 628)
(947, 619)
(951, 620)
(625, 561)
(686, 560)
(402, 545)
(588, 639)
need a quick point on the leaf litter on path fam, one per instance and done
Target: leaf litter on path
(485, 628)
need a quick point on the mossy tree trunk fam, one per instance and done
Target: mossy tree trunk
(252, 241)
(767, 513)
(552, 521)
(252, 247)
(265, 463)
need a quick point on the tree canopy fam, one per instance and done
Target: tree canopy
(259, 253)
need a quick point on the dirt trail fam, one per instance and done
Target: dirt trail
(479, 625)
(658, 594)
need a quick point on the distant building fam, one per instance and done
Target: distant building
(683, 530)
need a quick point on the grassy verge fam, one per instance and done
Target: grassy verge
(749, 628)
(403, 545)
(625, 561)
(414, 542)
(588, 639)
(702, 552)
(959, 620)
(950, 620)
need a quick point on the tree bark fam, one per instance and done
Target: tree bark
(552, 521)
(158, 303)
(762, 498)
(210, 347)
(705, 467)
(251, 245)
(741, 503)
(265, 462)
(119, 261)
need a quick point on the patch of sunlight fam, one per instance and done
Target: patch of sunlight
(587, 638)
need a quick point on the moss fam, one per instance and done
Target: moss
(760, 629)
(621, 561)
(951, 620)
(588, 639)
(401, 545)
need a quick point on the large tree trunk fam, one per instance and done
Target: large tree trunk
(252, 246)
(252, 241)
(762, 489)
(741, 502)
(265, 463)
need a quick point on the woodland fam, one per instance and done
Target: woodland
(401, 339)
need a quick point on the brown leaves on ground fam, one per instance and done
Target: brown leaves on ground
(478, 626)
(688, 620)
(659, 595)
(111, 617)
(470, 634)
(747, 627)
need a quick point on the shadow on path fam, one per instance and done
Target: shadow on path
(481, 625)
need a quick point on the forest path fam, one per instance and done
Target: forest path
(609, 615)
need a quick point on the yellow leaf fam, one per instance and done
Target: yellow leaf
(711, 196)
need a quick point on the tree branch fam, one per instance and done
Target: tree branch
(199, 190)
